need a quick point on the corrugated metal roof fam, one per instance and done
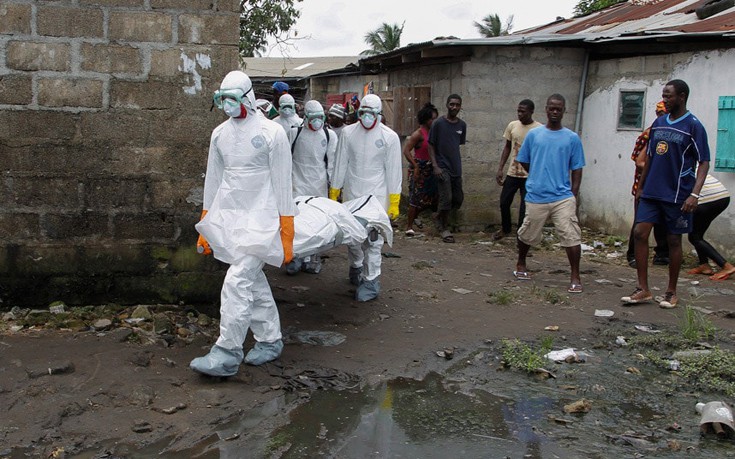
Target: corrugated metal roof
(639, 17)
(277, 68)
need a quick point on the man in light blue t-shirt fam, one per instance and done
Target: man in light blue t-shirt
(549, 153)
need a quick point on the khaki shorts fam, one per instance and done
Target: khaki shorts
(564, 216)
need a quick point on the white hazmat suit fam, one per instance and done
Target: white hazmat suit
(368, 163)
(248, 205)
(287, 116)
(313, 147)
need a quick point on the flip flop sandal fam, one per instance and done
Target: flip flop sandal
(575, 288)
(447, 237)
(410, 233)
(522, 275)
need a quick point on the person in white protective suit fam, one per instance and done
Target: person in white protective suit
(368, 163)
(247, 221)
(313, 147)
(287, 116)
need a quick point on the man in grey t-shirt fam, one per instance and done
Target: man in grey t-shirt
(446, 135)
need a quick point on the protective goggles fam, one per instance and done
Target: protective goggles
(315, 116)
(372, 111)
(237, 95)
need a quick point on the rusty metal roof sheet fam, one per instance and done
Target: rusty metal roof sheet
(641, 16)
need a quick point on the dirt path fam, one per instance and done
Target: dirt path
(80, 391)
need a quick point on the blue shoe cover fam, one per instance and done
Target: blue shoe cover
(264, 352)
(355, 274)
(293, 267)
(219, 362)
(368, 290)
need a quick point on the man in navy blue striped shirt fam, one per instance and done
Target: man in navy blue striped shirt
(678, 161)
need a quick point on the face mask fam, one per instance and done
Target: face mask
(287, 111)
(316, 124)
(368, 120)
(232, 108)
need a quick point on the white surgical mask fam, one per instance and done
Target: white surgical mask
(368, 120)
(316, 124)
(287, 111)
(232, 108)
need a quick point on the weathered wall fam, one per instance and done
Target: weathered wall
(104, 127)
(491, 84)
(606, 200)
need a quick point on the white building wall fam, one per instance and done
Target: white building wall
(606, 201)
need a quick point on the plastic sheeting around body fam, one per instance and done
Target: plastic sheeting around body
(322, 224)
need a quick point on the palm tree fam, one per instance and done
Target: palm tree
(492, 26)
(385, 38)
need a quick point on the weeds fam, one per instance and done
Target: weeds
(501, 297)
(521, 356)
(549, 295)
(696, 327)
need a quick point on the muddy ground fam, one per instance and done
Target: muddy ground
(125, 389)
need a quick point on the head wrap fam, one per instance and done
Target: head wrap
(313, 107)
(372, 101)
(337, 110)
(280, 86)
(286, 99)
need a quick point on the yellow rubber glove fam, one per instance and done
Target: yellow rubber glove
(334, 193)
(394, 200)
(202, 244)
(287, 234)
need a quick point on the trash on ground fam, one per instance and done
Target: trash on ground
(391, 255)
(447, 353)
(604, 313)
(717, 418)
(646, 329)
(561, 355)
(552, 328)
(633, 370)
(580, 406)
(314, 337)
(674, 365)
(620, 341)
(603, 281)
(462, 291)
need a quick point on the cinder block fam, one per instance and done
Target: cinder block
(118, 128)
(117, 258)
(147, 226)
(114, 193)
(118, 3)
(15, 18)
(47, 193)
(75, 226)
(169, 194)
(631, 65)
(199, 5)
(65, 21)
(18, 226)
(111, 59)
(232, 6)
(140, 26)
(23, 125)
(15, 89)
(144, 95)
(30, 56)
(46, 259)
(62, 92)
(209, 29)
(170, 62)
(657, 65)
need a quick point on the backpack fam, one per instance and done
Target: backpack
(326, 132)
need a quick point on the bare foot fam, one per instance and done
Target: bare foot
(724, 273)
(701, 269)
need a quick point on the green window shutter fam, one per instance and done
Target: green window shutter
(725, 155)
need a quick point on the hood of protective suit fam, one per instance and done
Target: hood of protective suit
(313, 107)
(287, 99)
(238, 80)
(372, 101)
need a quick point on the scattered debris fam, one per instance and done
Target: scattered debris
(604, 313)
(313, 337)
(59, 368)
(172, 409)
(646, 329)
(551, 328)
(620, 341)
(142, 427)
(391, 255)
(561, 355)
(717, 418)
(580, 406)
(462, 291)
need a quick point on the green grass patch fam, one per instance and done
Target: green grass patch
(501, 297)
(520, 356)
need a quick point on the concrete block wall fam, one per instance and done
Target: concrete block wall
(104, 128)
(491, 84)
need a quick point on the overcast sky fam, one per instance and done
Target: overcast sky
(338, 27)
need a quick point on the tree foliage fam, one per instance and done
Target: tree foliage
(262, 19)
(492, 26)
(385, 38)
(590, 6)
